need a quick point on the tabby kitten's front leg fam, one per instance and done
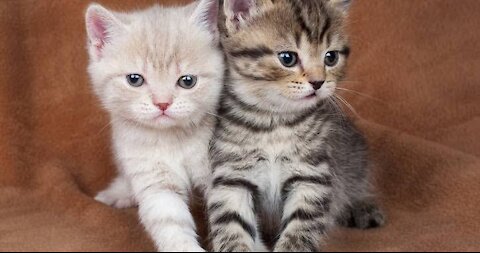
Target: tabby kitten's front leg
(231, 214)
(307, 214)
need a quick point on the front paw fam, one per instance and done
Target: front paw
(232, 244)
(185, 248)
(238, 248)
(362, 215)
(295, 243)
(115, 199)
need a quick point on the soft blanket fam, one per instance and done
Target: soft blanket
(415, 73)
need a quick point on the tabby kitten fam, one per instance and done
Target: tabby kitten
(159, 74)
(287, 164)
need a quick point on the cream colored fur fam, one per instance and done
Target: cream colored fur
(160, 159)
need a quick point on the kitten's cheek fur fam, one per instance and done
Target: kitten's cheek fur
(327, 91)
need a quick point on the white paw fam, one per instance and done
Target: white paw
(194, 248)
(186, 248)
(114, 199)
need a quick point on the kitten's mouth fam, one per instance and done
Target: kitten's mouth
(311, 96)
(305, 98)
(162, 116)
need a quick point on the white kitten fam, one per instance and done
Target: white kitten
(159, 74)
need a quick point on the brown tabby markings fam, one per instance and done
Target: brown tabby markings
(259, 62)
(283, 169)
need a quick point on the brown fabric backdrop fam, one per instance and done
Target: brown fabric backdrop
(416, 61)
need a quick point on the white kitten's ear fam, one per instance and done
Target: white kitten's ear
(341, 5)
(206, 14)
(237, 12)
(102, 27)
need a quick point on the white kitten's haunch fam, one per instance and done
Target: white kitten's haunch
(158, 73)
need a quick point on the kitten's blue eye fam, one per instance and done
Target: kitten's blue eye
(135, 80)
(187, 82)
(331, 58)
(288, 59)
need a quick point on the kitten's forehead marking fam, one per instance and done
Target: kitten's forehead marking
(313, 19)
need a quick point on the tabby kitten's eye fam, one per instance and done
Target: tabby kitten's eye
(288, 59)
(187, 82)
(135, 80)
(331, 58)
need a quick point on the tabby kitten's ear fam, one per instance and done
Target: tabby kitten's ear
(102, 26)
(237, 13)
(341, 5)
(206, 14)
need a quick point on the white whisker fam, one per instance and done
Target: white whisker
(341, 99)
(337, 108)
(110, 122)
(361, 94)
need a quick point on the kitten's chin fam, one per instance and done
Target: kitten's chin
(164, 122)
(299, 104)
(159, 123)
(309, 101)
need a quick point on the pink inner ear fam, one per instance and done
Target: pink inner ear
(242, 7)
(241, 10)
(98, 32)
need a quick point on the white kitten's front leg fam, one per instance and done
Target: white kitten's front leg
(119, 194)
(164, 211)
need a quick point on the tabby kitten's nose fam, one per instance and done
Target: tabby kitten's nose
(317, 84)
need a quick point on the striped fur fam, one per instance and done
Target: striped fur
(286, 165)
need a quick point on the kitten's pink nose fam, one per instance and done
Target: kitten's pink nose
(163, 106)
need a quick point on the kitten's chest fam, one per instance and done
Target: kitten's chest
(177, 156)
(278, 145)
(136, 157)
(280, 148)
